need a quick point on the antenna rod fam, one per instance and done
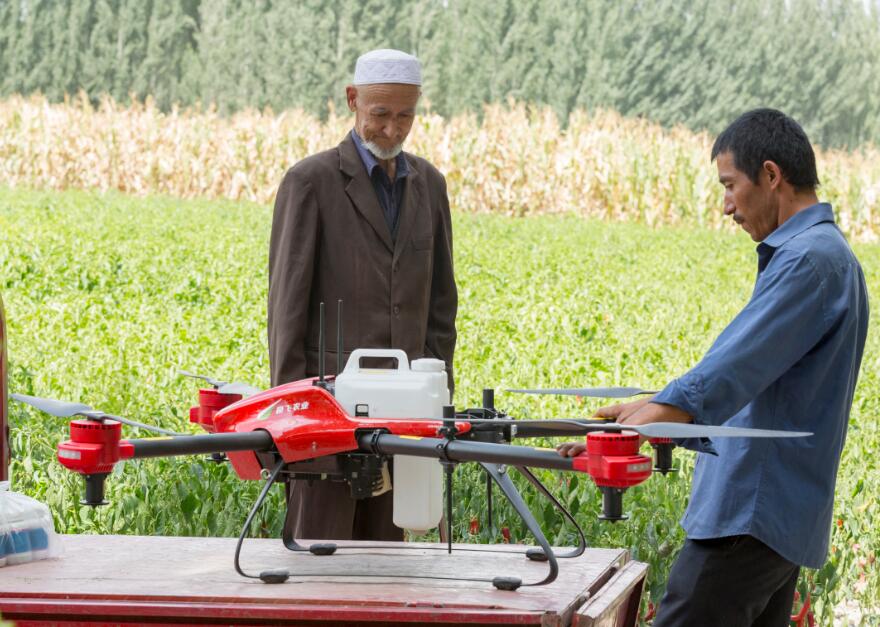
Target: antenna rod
(321, 343)
(339, 344)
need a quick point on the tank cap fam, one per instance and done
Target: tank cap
(427, 365)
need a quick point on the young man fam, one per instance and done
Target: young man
(368, 224)
(760, 509)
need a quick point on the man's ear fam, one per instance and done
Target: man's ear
(351, 97)
(773, 173)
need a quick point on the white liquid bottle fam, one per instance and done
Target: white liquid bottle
(419, 391)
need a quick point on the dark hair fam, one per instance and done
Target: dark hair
(769, 135)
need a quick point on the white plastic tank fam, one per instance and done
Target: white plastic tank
(409, 391)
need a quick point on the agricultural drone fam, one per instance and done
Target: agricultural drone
(301, 430)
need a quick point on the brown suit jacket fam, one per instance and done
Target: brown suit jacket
(330, 241)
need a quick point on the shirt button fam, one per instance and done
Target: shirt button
(396, 309)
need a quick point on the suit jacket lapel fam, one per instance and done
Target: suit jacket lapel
(360, 190)
(412, 200)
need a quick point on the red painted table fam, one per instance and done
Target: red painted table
(128, 580)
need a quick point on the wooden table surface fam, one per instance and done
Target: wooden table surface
(134, 579)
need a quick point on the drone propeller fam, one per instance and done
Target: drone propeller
(64, 409)
(689, 430)
(562, 427)
(614, 392)
(223, 387)
(61, 409)
(237, 387)
(212, 382)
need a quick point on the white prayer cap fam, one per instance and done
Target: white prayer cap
(387, 66)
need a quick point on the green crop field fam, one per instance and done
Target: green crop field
(108, 296)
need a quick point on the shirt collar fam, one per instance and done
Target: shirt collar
(370, 161)
(798, 223)
(795, 225)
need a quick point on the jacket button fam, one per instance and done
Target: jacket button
(396, 309)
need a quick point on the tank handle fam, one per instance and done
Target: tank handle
(354, 361)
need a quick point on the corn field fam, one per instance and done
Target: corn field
(514, 160)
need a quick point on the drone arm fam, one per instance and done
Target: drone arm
(611, 460)
(464, 451)
(94, 447)
(258, 440)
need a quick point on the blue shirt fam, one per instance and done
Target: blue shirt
(789, 360)
(389, 193)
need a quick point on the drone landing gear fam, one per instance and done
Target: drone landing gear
(267, 576)
(535, 553)
(317, 548)
(497, 473)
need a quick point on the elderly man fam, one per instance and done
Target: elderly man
(368, 224)
(761, 509)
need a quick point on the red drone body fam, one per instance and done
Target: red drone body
(306, 422)
(302, 431)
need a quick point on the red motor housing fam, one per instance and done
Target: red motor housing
(210, 402)
(93, 447)
(613, 459)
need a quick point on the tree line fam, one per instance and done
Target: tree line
(697, 63)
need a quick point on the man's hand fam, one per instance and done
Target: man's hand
(571, 449)
(617, 412)
(635, 413)
(622, 411)
(649, 412)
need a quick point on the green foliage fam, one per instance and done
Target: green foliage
(108, 296)
(116, 47)
(698, 64)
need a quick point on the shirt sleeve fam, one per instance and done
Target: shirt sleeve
(784, 319)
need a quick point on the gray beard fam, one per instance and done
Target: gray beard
(380, 153)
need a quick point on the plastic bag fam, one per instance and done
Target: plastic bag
(27, 533)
